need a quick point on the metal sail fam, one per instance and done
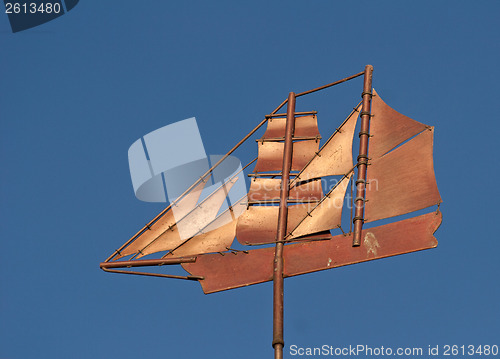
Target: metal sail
(325, 215)
(258, 223)
(183, 207)
(306, 143)
(270, 156)
(400, 179)
(192, 224)
(389, 128)
(335, 156)
(268, 190)
(217, 236)
(403, 180)
(306, 128)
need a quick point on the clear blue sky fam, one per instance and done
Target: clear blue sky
(78, 91)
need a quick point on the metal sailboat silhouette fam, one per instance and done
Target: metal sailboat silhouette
(393, 175)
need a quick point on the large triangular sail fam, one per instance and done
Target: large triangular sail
(191, 219)
(389, 128)
(193, 223)
(400, 179)
(326, 215)
(183, 207)
(216, 236)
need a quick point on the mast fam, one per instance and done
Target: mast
(359, 201)
(278, 279)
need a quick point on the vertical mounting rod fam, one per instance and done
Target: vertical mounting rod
(278, 341)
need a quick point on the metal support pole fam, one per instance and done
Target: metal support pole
(359, 201)
(278, 341)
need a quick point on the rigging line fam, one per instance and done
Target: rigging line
(199, 205)
(427, 128)
(279, 107)
(329, 85)
(154, 220)
(352, 206)
(140, 251)
(208, 224)
(189, 277)
(337, 130)
(293, 240)
(321, 201)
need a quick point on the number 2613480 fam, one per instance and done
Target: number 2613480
(32, 8)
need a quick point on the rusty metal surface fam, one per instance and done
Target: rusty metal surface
(389, 128)
(335, 157)
(270, 156)
(362, 156)
(186, 204)
(259, 223)
(229, 271)
(403, 180)
(278, 280)
(305, 126)
(265, 189)
(326, 215)
(401, 237)
(191, 224)
(233, 271)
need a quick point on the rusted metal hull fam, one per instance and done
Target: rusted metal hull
(239, 270)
